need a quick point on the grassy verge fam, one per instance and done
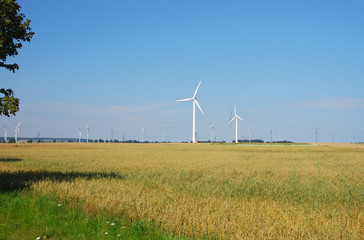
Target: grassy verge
(27, 216)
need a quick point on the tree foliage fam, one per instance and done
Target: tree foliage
(14, 29)
(8, 103)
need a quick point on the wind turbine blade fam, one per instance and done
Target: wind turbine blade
(239, 117)
(183, 100)
(194, 95)
(234, 110)
(198, 105)
(232, 120)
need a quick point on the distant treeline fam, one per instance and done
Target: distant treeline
(70, 140)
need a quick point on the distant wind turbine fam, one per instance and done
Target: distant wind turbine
(5, 134)
(17, 131)
(236, 117)
(143, 134)
(79, 135)
(194, 99)
(88, 128)
(212, 132)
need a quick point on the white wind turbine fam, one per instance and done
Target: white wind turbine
(79, 135)
(17, 131)
(236, 117)
(212, 132)
(88, 128)
(194, 99)
(5, 134)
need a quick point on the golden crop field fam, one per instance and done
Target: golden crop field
(203, 190)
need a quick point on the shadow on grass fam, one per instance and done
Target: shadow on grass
(13, 181)
(10, 159)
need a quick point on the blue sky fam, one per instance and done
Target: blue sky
(289, 66)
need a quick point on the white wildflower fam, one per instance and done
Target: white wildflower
(112, 224)
(37, 238)
(106, 233)
(59, 205)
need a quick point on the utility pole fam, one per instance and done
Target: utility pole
(250, 134)
(279, 134)
(163, 131)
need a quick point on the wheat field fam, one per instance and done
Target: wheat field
(203, 191)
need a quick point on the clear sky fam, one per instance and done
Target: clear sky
(289, 66)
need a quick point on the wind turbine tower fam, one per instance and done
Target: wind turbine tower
(79, 135)
(88, 129)
(5, 134)
(17, 131)
(316, 135)
(230, 127)
(212, 132)
(194, 99)
(236, 117)
(143, 134)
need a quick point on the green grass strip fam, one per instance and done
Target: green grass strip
(26, 216)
